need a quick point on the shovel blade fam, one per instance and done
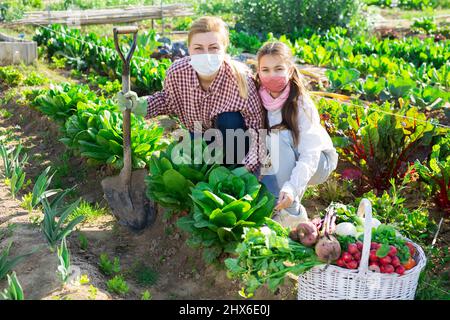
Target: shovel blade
(130, 205)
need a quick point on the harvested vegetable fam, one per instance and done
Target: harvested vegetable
(306, 233)
(346, 229)
(266, 255)
(328, 248)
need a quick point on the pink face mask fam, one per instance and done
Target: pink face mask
(274, 83)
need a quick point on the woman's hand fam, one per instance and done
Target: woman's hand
(285, 200)
(130, 100)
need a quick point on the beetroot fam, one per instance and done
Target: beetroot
(294, 235)
(328, 248)
(307, 233)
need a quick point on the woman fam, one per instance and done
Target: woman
(301, 151)
(207, 87)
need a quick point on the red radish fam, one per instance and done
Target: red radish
(352, 264)
(352, 248)
(396, 261)
(375, 245)
(400, 269)
(385, 260)
(357, 256)
(388, 268)
(392, 251)
(382, 268)
(347, 257)
(373, 255)
(340, 262)
(412, 250)
(359, 245)
(374, 267)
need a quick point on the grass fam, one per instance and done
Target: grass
(8, 231)
(396, 13)
(5, 114)
(146, 295)
(117, 285)
(434, 282)
(90, 212)
(107, 266)
(26, 202)
(145, 275)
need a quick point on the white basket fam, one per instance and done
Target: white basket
(336, 283)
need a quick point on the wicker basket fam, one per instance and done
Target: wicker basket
(336, 283)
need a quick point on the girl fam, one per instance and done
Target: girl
(208, 88)
(301, 151)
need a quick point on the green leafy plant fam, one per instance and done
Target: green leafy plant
(94, 51)
(92, 292)
(60, 101)
(83, 241)
(7, 263)
(172, 174)
(146, 295)
(341, 78)
(389, 208)
(223, 206)
(17, 180)
(95, 132)
(375, 142)
(265, 256)
(35, 79)
(64, 261)
(11, 76)
(14, 290)
(117, 285)
(436, 173)
(12, 158)
(40, 188)
(26, 202)
(89, 211)
(107, 266)
(146, 276)
(54, 225)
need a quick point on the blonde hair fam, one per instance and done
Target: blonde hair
(298, 90)
(215, 24)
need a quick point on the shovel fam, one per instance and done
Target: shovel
(125, 193)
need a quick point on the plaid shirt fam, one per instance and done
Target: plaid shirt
(183, 96)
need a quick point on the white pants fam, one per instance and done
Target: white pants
(285, 163)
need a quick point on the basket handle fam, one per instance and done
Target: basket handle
(365, 210)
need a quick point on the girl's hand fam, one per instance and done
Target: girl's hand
(285, 200)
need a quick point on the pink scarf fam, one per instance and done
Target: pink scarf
(273, 104)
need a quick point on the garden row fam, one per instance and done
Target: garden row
(375, 70)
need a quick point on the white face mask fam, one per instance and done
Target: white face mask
(207, 64)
